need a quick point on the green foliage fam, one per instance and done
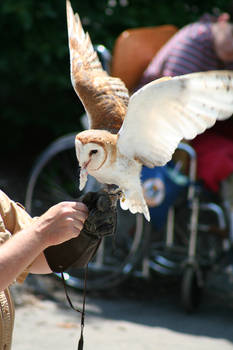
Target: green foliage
(37, 99)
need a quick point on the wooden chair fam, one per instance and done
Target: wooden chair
(134, 49)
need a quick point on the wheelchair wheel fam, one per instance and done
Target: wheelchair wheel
(168, 259)
(165, 260)
(191, 291)
(55, 178)
(116, 257)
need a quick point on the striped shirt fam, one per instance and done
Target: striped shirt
(191, 49)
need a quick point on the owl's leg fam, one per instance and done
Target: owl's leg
(113, 190)
(114, 193)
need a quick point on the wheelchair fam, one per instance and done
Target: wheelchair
(185, 237)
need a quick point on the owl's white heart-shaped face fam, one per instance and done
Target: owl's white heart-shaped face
(91, 156)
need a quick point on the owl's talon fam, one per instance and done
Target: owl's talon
(114, 194)
(117, 192)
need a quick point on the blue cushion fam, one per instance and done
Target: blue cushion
(162, 186)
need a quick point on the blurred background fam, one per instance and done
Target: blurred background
(38, 103)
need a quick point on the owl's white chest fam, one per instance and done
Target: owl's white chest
(125, 173)
(122, 172)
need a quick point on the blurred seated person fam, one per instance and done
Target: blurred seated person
(201, 46)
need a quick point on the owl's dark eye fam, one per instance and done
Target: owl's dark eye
(94, 151)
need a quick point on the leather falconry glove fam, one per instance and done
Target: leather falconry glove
(101, 222)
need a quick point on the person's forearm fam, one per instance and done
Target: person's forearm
(60, 223)
(17, 254)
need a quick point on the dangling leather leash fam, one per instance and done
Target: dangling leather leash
(99, 205)
(82, 312)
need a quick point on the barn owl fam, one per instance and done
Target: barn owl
(143, 129)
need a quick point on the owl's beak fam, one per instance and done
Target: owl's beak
(85, 165)
(82, 178)
(83, 175)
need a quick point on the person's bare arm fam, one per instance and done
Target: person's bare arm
(60, 223)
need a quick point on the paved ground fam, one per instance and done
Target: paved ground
(128, 318)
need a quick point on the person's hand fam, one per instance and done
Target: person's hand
(101, 221)
(61, 222)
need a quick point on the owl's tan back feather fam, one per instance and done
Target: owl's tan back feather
(105, 98)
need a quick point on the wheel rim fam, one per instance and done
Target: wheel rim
(115, 259)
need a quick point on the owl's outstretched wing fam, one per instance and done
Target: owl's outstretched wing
(105, 98)
(162, 113)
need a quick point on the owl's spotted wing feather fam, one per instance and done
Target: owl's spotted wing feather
(162, 113)
(105, 98)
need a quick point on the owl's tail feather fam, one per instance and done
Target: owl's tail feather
(135, 202)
